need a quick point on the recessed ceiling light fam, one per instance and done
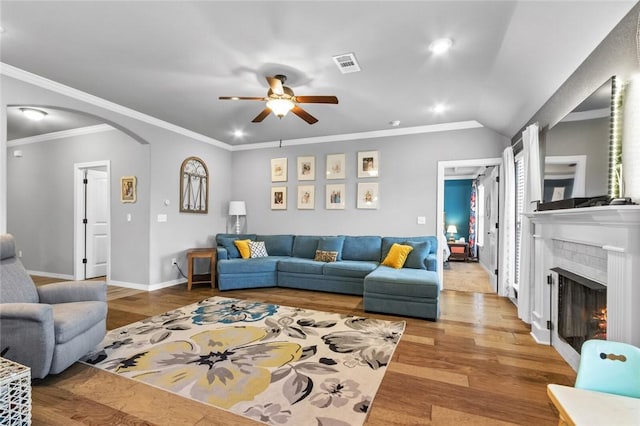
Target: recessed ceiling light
(1, 30)
(238, 133)
(439, 108)
(395, 123)
(33, 114)
(440, 45)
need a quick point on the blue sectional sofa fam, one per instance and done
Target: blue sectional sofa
(411, 291)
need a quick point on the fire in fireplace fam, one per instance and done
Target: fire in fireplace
(582, 309)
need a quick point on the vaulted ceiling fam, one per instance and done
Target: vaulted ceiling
(173, 59)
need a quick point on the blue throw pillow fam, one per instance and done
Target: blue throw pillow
(418, 255)
(232, 250)
(331, 244)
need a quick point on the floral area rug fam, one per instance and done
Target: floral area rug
(274, 364)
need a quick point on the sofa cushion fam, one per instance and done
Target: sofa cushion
(349, 268)
(240, 266)
(277, 245)
(243, 248)
(332, 244)
(362, 248)
(301, 266)
(397, 256)
(226, 241)
(305, 246)
(257, 249)
(418, 255)
(416, 283)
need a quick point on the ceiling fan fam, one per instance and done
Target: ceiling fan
(280, 100)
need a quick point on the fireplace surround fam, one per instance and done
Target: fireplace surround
(601, 244)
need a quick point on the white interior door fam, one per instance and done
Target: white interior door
(97, 229)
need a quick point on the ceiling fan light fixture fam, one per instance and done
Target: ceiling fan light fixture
(33, 114)
(280, 107)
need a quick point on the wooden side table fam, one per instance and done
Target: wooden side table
(459, 251)
(202, 253)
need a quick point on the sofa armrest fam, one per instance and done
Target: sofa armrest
(27, 335)
(223, 254)
(73, 291)
(431, 262)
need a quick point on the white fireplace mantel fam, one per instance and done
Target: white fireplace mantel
(611, 231)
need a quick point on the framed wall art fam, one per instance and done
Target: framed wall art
(194, 186)
(368, 196)
(278, 198)
(368, 164)
(336, 166)
(335, 196)
(307, 168)
(306, 197)
(278, 170)
(128, 189)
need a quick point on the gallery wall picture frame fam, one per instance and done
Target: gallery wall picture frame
(336, 164)
(307, 168)
(128, 192)
(278, 170)
(306, 197)
(368, 195)
(336, 196)
(278, 198)
(368, 164)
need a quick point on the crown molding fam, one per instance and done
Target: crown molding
(432, 128)
(36, 80)
(45, 83)
(80, 131)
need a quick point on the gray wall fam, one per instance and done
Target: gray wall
(166, 150)
(40, 202)
(407, 183)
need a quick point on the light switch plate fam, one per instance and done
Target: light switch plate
(162, 218)
(422, 220)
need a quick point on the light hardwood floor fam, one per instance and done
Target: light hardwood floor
(466, 276)
(477, 365)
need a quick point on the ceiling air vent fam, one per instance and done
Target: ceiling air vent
(346, 63)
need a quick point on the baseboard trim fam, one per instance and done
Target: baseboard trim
(51, 275)
(145, 287)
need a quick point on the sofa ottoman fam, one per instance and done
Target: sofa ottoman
(406, 292)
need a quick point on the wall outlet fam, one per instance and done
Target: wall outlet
(174, 261)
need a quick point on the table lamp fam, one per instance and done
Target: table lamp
(237, 209)
(452, 230)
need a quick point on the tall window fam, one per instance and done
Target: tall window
(520, 182)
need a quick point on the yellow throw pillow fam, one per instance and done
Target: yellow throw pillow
(397, 256)
(243, 248)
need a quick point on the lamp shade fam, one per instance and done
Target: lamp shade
(237, 208)
(452, 229)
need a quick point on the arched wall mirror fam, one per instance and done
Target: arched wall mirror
(194, 186)
(577, 149)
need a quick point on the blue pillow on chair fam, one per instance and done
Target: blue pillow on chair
(416, 258)
(331, 244)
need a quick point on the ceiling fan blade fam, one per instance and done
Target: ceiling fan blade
(317, 99)
(304, 115)
(241, 98)
(276, 85)
(262, 115)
